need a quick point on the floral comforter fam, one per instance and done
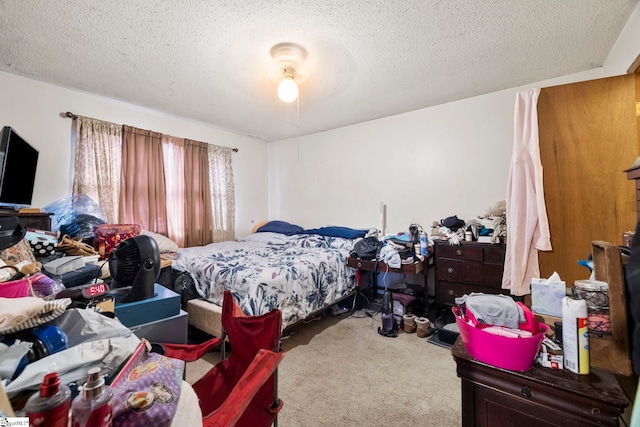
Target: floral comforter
(298, 274)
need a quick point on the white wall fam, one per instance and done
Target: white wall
(626, 48)
(33, 109)
(425, 165)
(452, 159)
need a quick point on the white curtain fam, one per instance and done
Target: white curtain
(173, 155)
(97, 162)
(222, 192)
(527, 222)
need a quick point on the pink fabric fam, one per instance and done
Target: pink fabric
(527, 222)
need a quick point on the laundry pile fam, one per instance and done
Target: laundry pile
(497, 314)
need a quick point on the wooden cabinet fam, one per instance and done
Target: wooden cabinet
(469, 267)
(538, 397)
(37, 220)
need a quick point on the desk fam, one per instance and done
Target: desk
(417, 268)
(537, 397)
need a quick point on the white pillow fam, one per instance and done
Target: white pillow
(164, 243)
(266, 237)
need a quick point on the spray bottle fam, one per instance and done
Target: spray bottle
(50, 406)
(93, 406)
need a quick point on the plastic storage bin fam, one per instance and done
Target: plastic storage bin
(516, 354)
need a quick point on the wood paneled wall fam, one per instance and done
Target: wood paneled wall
(588, 137)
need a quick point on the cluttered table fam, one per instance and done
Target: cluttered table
(420, 267)
(538, 396)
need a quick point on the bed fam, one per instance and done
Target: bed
(301, 274)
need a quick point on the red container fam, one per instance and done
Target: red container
(107, 236)
(516, 354)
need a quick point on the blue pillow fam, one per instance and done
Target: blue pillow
(334, 231)
(281, 227)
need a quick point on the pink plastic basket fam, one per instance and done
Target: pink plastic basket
(516, 354)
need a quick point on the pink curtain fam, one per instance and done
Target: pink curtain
(142, 191)
(198, 210)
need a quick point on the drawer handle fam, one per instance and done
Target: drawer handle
(450, 270)
(526, 391)
(451, 292)
(459, 252)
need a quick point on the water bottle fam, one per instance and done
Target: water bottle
(423, 243)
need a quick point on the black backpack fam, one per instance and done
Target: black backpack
(367, 248)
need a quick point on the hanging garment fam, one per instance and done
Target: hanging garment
(527, 223)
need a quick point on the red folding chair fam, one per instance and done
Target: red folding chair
(241, 389)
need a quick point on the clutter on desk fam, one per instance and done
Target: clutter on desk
(396, 249)
(550, 355)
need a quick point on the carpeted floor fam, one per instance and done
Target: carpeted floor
(338, 371)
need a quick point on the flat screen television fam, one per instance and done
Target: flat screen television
(18, 162)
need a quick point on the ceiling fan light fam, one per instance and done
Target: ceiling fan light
(287, 90)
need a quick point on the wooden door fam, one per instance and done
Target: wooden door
(588, 137)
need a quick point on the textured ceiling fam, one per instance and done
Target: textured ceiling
(209, 60)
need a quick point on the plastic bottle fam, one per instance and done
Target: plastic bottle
(93, 406)
(50, 406)
(423, 243)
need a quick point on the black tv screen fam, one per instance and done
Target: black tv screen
(18, 160)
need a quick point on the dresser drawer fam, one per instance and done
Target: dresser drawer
(475, 273)
(494, 254)
(468, 253)
(447, 292)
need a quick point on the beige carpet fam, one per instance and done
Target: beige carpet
(338, 371)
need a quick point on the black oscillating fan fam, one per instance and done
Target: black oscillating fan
(135, 264)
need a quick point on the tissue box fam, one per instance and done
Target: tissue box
(547, 298)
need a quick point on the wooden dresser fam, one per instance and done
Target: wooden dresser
(538, 397)
(470, 267)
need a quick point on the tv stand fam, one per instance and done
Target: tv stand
(37, 220)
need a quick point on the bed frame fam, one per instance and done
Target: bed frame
(207, 317)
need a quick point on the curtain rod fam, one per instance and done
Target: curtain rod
(72, 116)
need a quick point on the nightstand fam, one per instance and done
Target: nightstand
(538, 397)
